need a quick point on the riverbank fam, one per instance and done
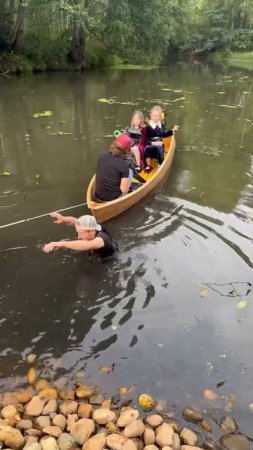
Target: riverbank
(45, 416)
(243, 60)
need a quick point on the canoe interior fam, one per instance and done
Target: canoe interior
(107, 210)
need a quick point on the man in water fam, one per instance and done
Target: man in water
(91, 237)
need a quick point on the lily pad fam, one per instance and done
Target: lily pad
(42, 114)
(5, 173)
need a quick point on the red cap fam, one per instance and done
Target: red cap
(123, 142)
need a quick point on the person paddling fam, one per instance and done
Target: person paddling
(91, 237)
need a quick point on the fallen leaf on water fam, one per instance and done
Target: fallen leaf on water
(104, 100)
(31, 358)
(203, 292)
(105, 369)
(5, 173)
(210, 395)
(122, 390)
(32, 376)
(228, 106)
(241, 304)
(42, 114)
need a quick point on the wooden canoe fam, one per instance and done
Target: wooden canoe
(107, 210)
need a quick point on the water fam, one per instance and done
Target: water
(143, 312)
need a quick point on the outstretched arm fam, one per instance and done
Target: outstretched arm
(79, 245)
(66, 220)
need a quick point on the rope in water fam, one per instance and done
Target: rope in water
(38, 217)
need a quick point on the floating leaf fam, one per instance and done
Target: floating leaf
(241, 304)
(228, 106)
(203, 292)
(31, 376)
(104, 100)
(105, 369)
(5, 173)
(122, 390)
(210, 395)
(31, 358)
(43, 114)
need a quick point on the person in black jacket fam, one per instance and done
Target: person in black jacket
(155, 132)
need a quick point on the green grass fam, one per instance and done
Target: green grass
(243, 60)
(134, 67)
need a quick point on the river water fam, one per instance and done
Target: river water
(173, 312)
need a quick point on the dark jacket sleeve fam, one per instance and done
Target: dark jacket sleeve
(167, 133)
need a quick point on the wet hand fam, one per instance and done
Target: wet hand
(52, 246)
(175, 128)
(58, 217)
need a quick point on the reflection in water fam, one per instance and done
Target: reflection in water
(142, 311)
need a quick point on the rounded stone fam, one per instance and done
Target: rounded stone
(33, 446)
(102, 416)
(59, 421)
(154, 420)
(11, 437)
(34, 432)
(49, 443)
(164, 435)
(149, 436)
(84, 410)
(25, 396)
(188, 437)
(68, 407)
(193, 415)
(24, 424)
(8, 411)
(228, 425)
(49, 393)
(82, 430)
(235, 442)
(129, 445)
(65, 441)
(52, 431)
(96, 442)
(50, 407)
(35, 406)
(176, 443)
(115, 441)
(151, 447)
(127, 416)
(134, 429)
(43, 422)
(84, 392)
(68, 394)
(71, 421)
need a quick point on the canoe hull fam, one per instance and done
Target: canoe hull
(107, 210)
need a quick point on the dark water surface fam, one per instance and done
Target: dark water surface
(143, 311)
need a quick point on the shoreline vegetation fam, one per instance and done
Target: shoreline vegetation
(242, 60)
(55, 416)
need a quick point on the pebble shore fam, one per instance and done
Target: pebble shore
(42, 417)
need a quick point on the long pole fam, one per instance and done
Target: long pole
(38, 217)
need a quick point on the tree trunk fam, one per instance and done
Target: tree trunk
(18, 43)
(77, 45)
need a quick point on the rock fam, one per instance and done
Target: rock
(228, 425)
(138, 442)
(96, 399)
(59, 421)
(190, 447)
(8, 398)
(65, 441)
(68, 394)
(84, 392)
(50, 407)
(34, 432)
(71, 421)
(209, 446)
(49, 443)
(84, 410)
(8, 411)
(151, 447)
(176, 443)
(102, 416)
(11, 437)
(115, 441)
(25, 396)
(167, 448)
(50, 393)
(188, 437)
(41, 384)
(127, 416)
(35, 406)
(52, 431)
(82, 430)
(129, 445)
(29, 440)
(24, 424)
(154, 420)
(134, 429)
(34, 446)
(68, 407)
(193, 415)
(235, 442)
(96, 442)
(164, 435)
(42, 422)
(149, 436)
(206, 426)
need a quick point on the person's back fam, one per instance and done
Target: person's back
(112, 174)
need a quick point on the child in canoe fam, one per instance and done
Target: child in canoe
(155, 132)
(137, 131)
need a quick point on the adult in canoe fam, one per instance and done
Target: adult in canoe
(91, 237)
(113, 176)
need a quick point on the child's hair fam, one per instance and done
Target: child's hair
(156, 108)
(141, 117)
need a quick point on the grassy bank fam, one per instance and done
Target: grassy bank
(243, 60)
